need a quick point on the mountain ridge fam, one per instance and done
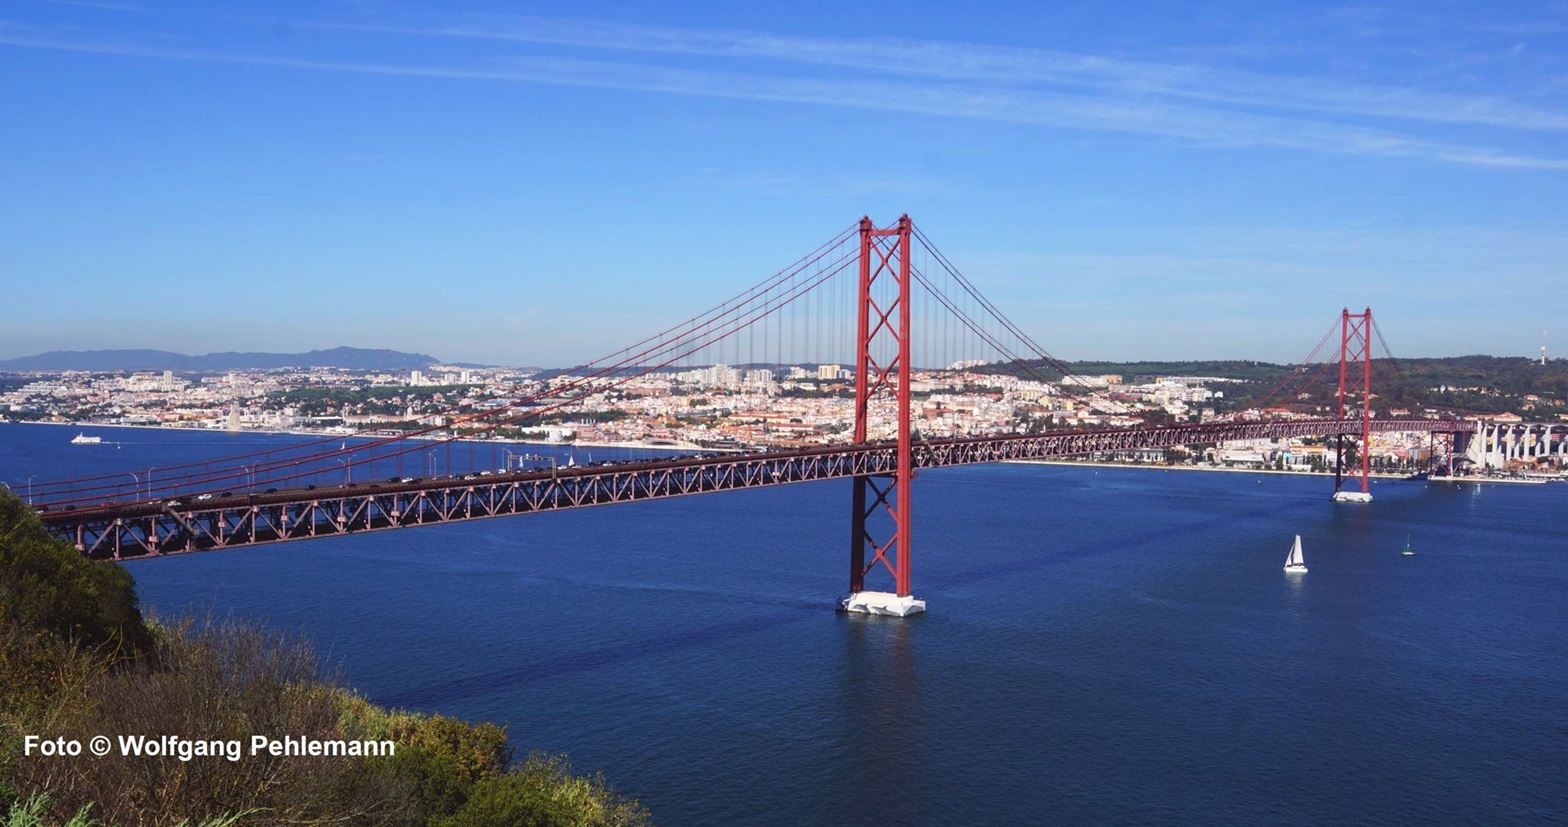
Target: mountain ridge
(352, 358)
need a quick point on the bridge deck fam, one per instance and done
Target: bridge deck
(129, 530)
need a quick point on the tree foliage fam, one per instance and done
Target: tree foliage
(543, 792)
(48, 588)
(78, 660)
(1460, 384)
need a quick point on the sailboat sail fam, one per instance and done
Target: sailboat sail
(1295, 562)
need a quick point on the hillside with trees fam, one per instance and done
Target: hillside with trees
(78, 659)
(1461, 385)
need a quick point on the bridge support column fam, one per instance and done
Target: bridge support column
(1355, 346)
(880, 517)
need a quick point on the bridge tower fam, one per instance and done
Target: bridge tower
(879, 520)
(1355, 357)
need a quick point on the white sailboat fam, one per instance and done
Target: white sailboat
(1295, 562)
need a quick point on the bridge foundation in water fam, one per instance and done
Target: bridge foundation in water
(882, 603)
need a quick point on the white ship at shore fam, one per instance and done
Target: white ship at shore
(83, 439)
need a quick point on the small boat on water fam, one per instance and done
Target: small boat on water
(1295, 563)
(83, 439)
(1408, 552)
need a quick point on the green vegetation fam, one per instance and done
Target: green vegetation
(384, 400)
(77, 659)
(560, 417)
(34, 811)
(1463, 385)
(1146, 371)
(823, 392)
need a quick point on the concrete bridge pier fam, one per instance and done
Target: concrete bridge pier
(1495, 444)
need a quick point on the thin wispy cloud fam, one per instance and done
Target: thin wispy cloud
(946, 80)
(1228, 259)
(851, 187)
(91, 4)
(1534, 28)
(1016, 66)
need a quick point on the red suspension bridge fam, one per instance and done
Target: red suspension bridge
(878, 300)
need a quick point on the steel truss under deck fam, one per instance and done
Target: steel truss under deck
(131, 530)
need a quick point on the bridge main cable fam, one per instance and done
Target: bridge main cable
(675, 337)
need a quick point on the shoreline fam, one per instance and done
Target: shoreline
(330, 436)
(1381, 476)
(1103, 464)
(693, 447)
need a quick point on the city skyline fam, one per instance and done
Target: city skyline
(533, 190)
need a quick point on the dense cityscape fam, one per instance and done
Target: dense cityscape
(708, 407)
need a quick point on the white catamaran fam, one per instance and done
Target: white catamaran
(1295, 563)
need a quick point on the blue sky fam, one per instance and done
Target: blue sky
(540, 183)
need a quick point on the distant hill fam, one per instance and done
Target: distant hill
(352, 358)
(1463, 384)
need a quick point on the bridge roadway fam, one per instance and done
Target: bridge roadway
(127, 530)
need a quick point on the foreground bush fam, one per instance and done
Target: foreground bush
(78, 660)
(33, 812)
(544, 793)
(61, 616)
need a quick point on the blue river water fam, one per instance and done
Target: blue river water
(1104, 646)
